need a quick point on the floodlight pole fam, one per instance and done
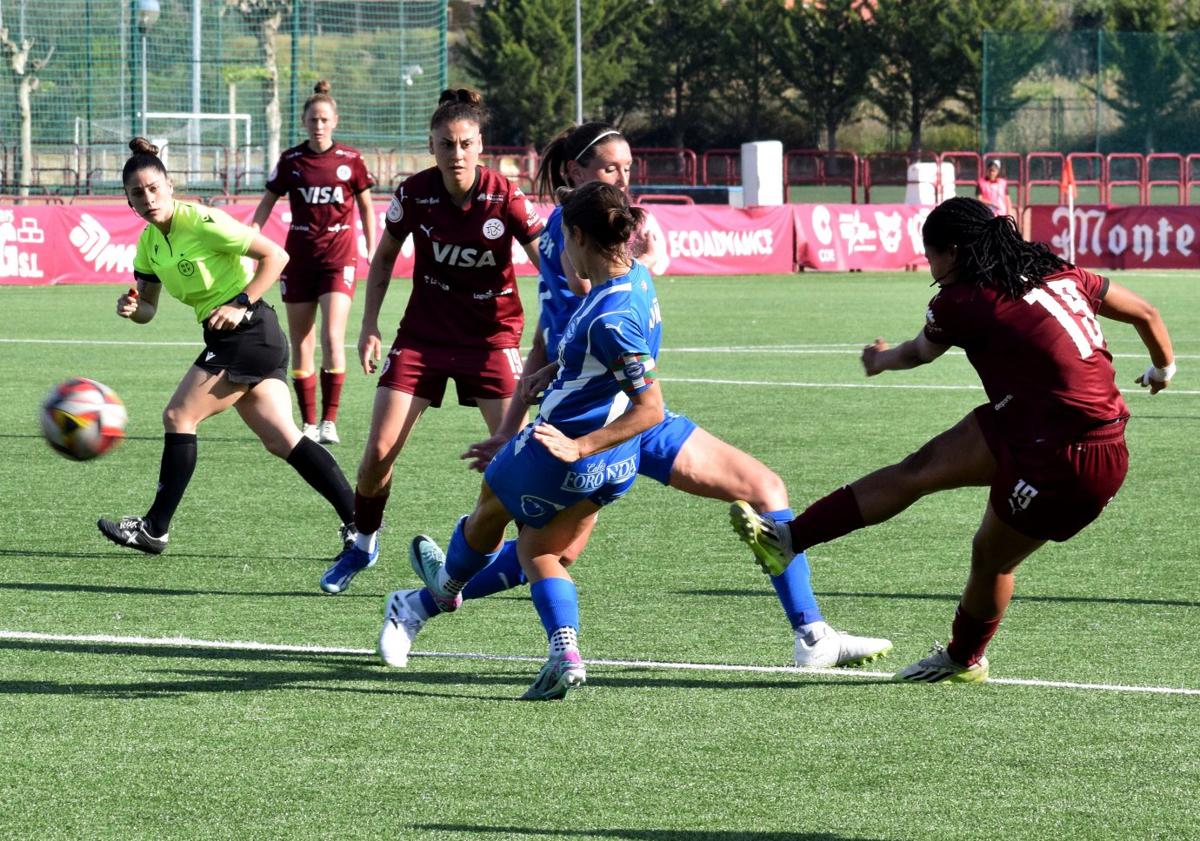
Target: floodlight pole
(578, 63)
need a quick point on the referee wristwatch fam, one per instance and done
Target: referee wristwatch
(243, 300)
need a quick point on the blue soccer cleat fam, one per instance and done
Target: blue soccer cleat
(350, 562)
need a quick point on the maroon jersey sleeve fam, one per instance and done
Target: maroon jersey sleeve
(277, 181)
(1093, 286)
(360, 179)
(398, 219)
(523, 219)
(947, 321)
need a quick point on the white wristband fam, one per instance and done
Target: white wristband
(1161, 375)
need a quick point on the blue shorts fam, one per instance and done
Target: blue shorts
(534, 486)
(662, 443)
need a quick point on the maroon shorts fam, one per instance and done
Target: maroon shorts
(301, 284)
(1050, 491)
(478, 373)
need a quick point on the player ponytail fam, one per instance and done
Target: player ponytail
(574, 143)
(145, 156)
(991, 251)
(459, 104)
(320, 94)
(603, 213)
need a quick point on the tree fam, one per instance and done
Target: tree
(923, 58)
(1155, 82)
(679, 78)
(523, 53)
(24, 69)
(264, 17)
(819, 50)
(751, 87)
(1019, 32)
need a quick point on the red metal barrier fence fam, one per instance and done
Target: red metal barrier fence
(66, 171)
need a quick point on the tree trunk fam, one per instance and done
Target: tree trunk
(25, 109)
(266, 40)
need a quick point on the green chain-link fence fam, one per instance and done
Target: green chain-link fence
(1092, 91)
(200, 74)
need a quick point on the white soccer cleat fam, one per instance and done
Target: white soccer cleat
(770, 542)
(400, 627)
(309, 431)
(327, 433)
(822, 647)
(938, 667)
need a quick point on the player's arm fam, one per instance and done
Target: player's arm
(263, 212)
(370, 344)
(535, 254)
(879, 356)
(140, 303)
(1121, 304)
(270, 258)
(366, 212)
(645, 410)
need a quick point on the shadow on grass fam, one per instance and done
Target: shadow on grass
(320, 670)
(642, 834)
(944, 597)
(118, 589)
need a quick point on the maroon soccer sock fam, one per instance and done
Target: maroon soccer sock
(969, 637)
(826, 519)
(331, 393)
(306, 396)
(368, 511)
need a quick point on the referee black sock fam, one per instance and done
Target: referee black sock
(314, 463)
(174, 473)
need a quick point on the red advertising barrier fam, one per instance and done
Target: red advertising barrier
(842, 237)
(95, 243)
(1142, 237)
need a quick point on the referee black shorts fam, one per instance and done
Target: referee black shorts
(254, 351)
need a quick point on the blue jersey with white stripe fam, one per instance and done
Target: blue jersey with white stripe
(607, 352)
(558, 302)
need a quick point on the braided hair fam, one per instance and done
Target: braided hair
(991, 251)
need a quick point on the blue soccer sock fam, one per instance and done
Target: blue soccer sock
(794, 587)
(504, 573)
(463, 562)
(557, 603)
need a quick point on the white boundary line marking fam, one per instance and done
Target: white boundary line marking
(906, 386)
(242, 645)
(804, 350)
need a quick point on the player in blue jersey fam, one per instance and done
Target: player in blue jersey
(676, 452)
(579, 454)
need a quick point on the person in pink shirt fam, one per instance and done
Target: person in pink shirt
(992, 190)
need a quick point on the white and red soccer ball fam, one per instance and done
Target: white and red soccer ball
(83, 419)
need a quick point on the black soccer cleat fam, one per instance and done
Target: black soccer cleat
(131, 533)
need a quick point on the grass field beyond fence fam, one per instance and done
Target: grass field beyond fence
(124, 720)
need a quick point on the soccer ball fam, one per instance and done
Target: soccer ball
(82, 418)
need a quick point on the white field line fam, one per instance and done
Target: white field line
(910, 386)
(851, 348)
(242, 645)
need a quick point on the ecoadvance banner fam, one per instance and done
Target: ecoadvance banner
(95, 243)
(842, 237)
(1142, 237)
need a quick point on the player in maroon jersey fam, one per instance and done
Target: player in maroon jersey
(463, 320)
(1050, 441)
(323, 181)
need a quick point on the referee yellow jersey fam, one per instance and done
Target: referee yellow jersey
(200, 260)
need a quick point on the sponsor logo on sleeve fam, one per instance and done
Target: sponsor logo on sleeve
(395, 211)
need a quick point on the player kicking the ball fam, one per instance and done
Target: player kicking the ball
(1050, 441)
